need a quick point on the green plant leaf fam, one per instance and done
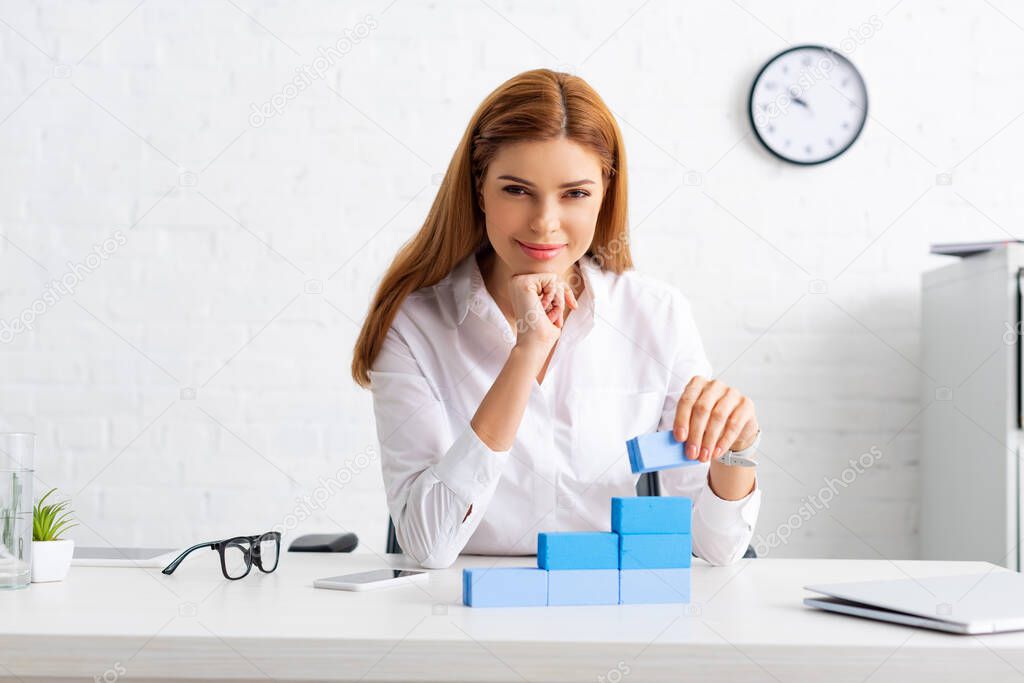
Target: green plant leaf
(51, 522)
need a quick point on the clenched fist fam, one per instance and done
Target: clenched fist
(539, 305)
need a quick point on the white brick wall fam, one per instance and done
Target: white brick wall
(104, 108)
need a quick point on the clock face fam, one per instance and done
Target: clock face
(808, 104)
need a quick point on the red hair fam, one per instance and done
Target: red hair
(535, 105)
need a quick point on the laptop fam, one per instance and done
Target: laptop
(969, 604)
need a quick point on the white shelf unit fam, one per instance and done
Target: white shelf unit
(971, 424)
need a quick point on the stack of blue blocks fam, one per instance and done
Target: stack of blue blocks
(645, 558)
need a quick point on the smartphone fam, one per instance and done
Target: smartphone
(372, 580)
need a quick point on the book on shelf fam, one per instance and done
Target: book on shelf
(970, 248)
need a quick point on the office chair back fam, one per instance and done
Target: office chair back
(647, 485)
(392, 546)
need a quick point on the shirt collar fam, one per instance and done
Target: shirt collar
(470, 292)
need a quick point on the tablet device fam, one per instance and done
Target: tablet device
(86, 556)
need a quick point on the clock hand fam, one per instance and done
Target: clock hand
(799, 101)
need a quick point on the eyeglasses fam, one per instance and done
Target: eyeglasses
(239, 554)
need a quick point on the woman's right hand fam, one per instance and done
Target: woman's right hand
(539, 304)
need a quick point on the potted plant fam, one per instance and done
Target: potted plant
(51, 553)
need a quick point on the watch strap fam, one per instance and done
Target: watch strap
(743, 458)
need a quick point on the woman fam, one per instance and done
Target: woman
(512, 351)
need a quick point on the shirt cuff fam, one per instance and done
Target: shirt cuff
(470, 467)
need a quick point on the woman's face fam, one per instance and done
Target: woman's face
(541, 201)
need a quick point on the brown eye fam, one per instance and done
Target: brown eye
(515, 190)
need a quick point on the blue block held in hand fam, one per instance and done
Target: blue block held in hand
(657, 451)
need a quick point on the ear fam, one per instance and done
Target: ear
(480, 201)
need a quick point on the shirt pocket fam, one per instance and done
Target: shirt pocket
(603, 420)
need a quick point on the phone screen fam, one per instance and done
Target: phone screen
(373, 576)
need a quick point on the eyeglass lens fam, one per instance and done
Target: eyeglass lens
(269, 549)
(237, 558)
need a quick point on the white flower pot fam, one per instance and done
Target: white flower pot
(51, 560)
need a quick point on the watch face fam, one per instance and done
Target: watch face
(808, 104)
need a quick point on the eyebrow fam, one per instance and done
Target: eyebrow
(585, 181)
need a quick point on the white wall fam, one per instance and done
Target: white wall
(134, 122)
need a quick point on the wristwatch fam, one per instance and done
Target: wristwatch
(744, 458)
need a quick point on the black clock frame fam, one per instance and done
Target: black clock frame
(750, 105)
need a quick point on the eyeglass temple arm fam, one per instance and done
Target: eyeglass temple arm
(169, 569)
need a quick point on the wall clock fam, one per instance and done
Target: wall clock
(808, 104)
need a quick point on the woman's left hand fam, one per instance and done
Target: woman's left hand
(712, 418)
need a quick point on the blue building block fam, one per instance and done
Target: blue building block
(657, 451)
(583, 587)
(651, 515)
(577, 550)
(504, 587)
(639, 586)
(655, 551)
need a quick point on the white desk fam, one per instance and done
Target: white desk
(746, 623)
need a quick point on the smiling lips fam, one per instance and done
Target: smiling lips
(541, 252)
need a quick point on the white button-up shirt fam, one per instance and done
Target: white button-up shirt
(623, 358)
